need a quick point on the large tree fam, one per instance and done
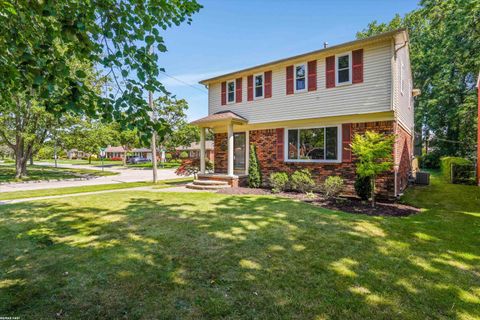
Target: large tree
(172, 110)
(445, 57)
(121, 38)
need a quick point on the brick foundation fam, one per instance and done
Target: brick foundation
(266, 141)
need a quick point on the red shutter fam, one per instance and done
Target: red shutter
(357, 66)
(290, 80)
(224, 93)
(346, 140)
(238, 90)
(330, 71)
(268, 84)
(280, 139)
(249, 88)
(312, 75)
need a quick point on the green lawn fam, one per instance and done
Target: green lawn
(7, 173)
(82, 189)
(202, 256)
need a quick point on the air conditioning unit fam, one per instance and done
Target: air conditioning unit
(422, 178)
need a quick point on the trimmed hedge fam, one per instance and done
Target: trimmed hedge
(446, 166)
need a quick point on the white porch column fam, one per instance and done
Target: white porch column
(202, 150)
(230, 149)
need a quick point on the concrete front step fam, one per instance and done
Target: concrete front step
(207, 187)
(210, 182)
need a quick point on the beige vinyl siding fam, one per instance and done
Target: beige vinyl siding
(373, 95)
(403, 104)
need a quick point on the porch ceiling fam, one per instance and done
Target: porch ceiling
(219, 119)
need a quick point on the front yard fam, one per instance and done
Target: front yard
(192, 256)
(7, 173)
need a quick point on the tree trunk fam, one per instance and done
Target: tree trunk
(124, 158)
(31, 160)
(90, 159)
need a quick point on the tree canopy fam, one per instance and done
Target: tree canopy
(123, 38)
(445, 57)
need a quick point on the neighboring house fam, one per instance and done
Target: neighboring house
(114, 152)
(302, 112)
(76, 154)
(141, 152)
(193, 150)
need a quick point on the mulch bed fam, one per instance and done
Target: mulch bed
(351, 205)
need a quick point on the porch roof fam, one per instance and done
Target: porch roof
(220, 118)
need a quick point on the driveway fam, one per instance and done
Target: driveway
(124, 175)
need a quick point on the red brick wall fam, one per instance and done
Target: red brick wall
(266, 140)
(221, 153)
(403, 157)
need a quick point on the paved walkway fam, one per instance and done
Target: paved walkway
(124, 175)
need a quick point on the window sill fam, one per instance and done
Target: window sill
(343, 84)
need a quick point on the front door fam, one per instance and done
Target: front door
(239, 153)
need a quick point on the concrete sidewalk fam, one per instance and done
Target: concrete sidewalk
(124, 175)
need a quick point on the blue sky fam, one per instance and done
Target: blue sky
(228, 35)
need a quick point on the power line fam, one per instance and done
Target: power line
(185, 83)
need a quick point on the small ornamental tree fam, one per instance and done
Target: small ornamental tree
(254, 173)
(192, 166)
(374, 152)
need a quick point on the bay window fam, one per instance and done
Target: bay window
(313, 144)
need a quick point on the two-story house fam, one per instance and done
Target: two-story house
(302, 112)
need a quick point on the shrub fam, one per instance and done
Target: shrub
(183, 155)
(430, 160)
(192, 166)
(45, 152)
(374, 152)
(446, 164)
(168, 156)
(116, 159)
(332, 186)
(301, 181)
(363, 187)
(278, 181)
(254, 172)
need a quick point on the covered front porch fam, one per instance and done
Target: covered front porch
(231, 157)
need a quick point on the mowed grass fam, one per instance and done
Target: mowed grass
(93, 188)
(7, 173)
(147, 255)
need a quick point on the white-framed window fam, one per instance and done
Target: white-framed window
(300, 77)
(316, 144)
(258, 82)
(231, 91)
(343, 67)
(402, 71)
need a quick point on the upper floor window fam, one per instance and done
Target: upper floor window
(300, 77)
(231, 91)
(313, 144)
(344, 68)
(259, 86)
